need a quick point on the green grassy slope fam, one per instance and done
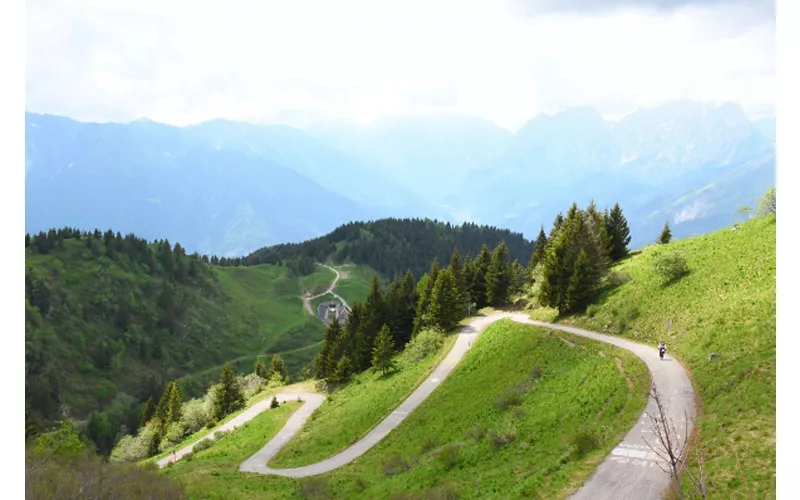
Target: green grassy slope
(438, 449)
(225, 313)
(302, 339)
(349, 414)
(355, 282)
(211, 472)
(264, 394)
(726, 305)
(316, 282)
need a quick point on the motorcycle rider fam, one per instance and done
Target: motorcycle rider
(662, 348)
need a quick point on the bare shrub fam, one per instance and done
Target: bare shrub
(671, 447)
(510, 398)
(476, 433)
(499, 440)
(395, 465)
(449, 455)
(315, 488)
(429, 443)
(444, 492)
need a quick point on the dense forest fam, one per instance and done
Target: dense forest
(565, 271)
(109, 320)
(392, 246)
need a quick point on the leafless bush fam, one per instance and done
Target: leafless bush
(395, 465)
(449, 455)
(315, 488)
(671, 447)
(501, 439)
(476, 433)
(429, 443)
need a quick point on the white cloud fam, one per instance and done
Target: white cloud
(183, 62)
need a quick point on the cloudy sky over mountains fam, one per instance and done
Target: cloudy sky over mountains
(505, 60)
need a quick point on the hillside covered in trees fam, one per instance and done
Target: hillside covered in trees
(113, 321)
(109, 320)
(567, 268)
(392, 246)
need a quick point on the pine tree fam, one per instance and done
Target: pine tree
(401, 301)
(581, 287)
(445, 308)
(596, 226)
(341, 374)
(552, 288)
(175, 403)
(408, 308)
(422, 315)
(383, 352)
(193, 268)
(260, 369)
(146, 412)
(538, 250)
(618, 230)
(326, 361)
(278, 367)
(477, 288)
(101, 433)
(518, 278)
(580, 232)
(229, 397)
(359, 355)
(558, 222)
(468, 279)
(392, 301)
(374, 313)
(593, 238)
(166, 259)
(457, 269)
(108, 242)
(665, 236)
(435, 268)
(498, 277)
(162, 409)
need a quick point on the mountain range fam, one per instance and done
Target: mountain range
(228, 188)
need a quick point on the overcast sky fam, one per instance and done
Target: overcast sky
(505, 60)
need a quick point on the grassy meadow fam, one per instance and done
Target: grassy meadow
(726, 305)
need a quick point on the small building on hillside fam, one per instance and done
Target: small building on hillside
(329, 310)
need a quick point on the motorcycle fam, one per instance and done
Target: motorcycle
(661, 351)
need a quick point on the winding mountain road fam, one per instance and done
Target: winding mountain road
(307, 300)
(631, 471)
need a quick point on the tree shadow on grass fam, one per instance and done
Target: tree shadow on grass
(668, 283)
(389, 375)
